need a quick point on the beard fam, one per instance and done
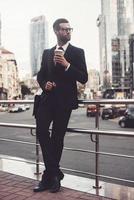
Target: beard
(65, 39)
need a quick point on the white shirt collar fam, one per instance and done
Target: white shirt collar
(64, 46)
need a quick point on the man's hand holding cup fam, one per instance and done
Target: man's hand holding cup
(59, 57)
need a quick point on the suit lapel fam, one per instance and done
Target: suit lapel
(50, 63)
(68, 52)
(50, 60)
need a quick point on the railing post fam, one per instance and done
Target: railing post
(97, 149)
(97, 116)
(97, 163)
(37, 157)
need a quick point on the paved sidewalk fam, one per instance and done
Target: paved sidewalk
(14, 187)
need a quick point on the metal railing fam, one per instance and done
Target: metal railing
(94, 135)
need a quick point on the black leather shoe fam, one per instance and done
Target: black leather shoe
(55, 187)
(42, 186)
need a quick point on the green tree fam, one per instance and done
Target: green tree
(24, 90)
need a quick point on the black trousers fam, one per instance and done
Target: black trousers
(52, 142)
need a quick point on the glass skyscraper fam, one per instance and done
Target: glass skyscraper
(38, 41)
(107, 23)
(116, 21)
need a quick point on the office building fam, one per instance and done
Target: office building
(9, 77)
(38, 41)
(116, 21)
(107, 24)
(131, 54)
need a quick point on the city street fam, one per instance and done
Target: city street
(111, 166)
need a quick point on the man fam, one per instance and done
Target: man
(57, 77)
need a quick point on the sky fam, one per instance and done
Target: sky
(82, 14)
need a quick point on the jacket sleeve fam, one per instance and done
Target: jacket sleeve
(42, 74)
(78, 71)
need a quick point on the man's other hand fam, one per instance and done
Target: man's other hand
(50, 85)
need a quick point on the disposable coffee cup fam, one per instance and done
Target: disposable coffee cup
(59, 52)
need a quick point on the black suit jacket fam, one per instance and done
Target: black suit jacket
(66, 88)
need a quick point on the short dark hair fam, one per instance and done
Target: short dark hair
(59, 21)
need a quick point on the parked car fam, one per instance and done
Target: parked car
(14, 109)
(17, 108)
(27, 106)
(21, 107)
(128, 119)
(122, 110)
(3, 108)
(109, 112)
(91, 110)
